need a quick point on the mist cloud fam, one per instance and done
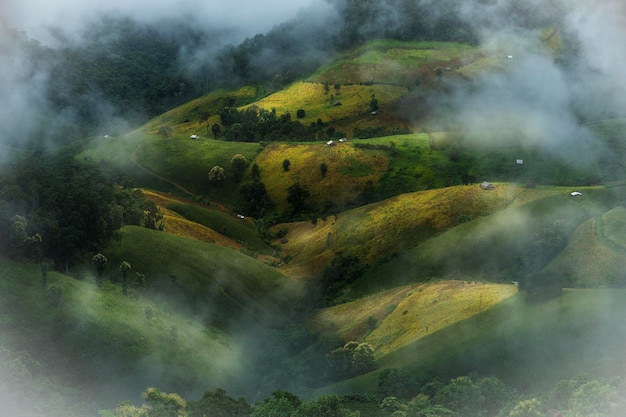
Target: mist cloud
(244, 17)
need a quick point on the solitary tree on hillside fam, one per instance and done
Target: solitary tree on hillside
(100, 262)
(216, 129)
(216, 175)
(286, 165)
(373, 103)
(337, 87)
(296, 196)
(256, 172)
(124, 268)
(238, 164)
(323, 169)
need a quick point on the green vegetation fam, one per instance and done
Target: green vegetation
(227, 224)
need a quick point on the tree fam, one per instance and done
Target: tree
(337, 87)
(528, 408)
(300, 114)
(286, 165)
(373, 103)
(238, 164)
(100, 262)
(216, 129)
(323, 169)
(18, 235)
(124, 269)
(296, 196)
(257, 202)
(326, 85)
(462, 396)
(162, 404)
(280, 404)
(351, 359)
(255, 172)
(217, 404)
(363, 358)
(216, 175)
(596, 398)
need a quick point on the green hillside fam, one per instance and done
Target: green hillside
(531, 346)
(217, 284)
(94, 346)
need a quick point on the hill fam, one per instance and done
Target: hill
(216, 284)
(75, 347)
(531, 346)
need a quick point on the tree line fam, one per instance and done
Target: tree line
(398, 395)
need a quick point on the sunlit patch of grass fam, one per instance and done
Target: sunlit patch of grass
(311, 98)
(349, 169)
(377, 231)
(191, 117)
(177, 225)
(396, 318)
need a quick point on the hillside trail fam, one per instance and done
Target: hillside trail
(192, 196)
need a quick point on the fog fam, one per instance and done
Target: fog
(242, 18)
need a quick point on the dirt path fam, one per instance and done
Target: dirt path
(133, 159)
(192, 195)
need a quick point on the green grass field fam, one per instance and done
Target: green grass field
(99, 346)
(227, 224)
(217, 284)
(530, 346)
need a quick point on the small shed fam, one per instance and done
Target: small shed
(330, 143)
(343, 140)
(486, 185)
(194, 137)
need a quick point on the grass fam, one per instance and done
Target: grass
(104, 345)
(240, 230)
(178, 225)
(396, 318)
(394, 62)
(530, 346)
(218, 284)
(311, 98)
(379, 231)
(349, 169)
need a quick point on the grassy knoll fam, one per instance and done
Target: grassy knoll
(180, 226)
(218, 284)
(188, 162)
(317, 104)
(349, 169)
(103, 345)
(396, 318)
(547, 231)
(240, 230)
(530, 346)
(378, 231)
(194, 116)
